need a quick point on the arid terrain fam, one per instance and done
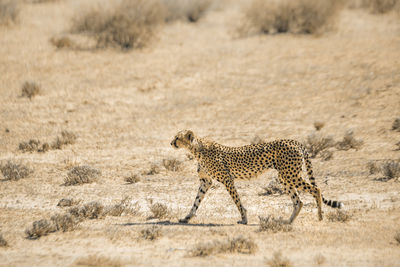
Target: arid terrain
(125, 106)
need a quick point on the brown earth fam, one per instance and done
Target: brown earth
(125, 107)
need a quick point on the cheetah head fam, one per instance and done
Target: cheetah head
(183, 139)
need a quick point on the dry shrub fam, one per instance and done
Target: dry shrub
(319, 259)
(172, 164)
(317, 143)
(33, 146)
(62, 42)
(349, 142)
(397, 237)
(257, 140)
(232, 245)
(154, 169)
(382, 6)
(299, 17)
(9, 12)
(130, 24)
(66, 138)
(81, 175)
(279, 261)
(273, 225)
(67, 202)
(14, 171)
(64, 222)
(273, 188)
(3, 242)
(318, 125)
(373, 167)
(338, 216)
(396, 125)
(30, 89)
(151, 233)
(398, 146)
(123, 208)
(158, 211)
(132, 179)
(40, 228)
(190, 10)
(391, 169)
(98, 261)
(91, 210)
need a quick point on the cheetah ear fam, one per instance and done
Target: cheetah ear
(190, 136)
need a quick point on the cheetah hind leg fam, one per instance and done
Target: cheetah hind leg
(297, 205)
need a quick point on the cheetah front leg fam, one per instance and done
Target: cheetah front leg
(230, 187)
(205, 184)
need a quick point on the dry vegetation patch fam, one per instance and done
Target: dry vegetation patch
(98, 261)
(318, 125)
(316, 143)
(132, 179)
(123, 208)
(33, 145)
(66, 138)
(91, 210)
(64, 222)
(273, 225)
(129, 24)
(3, 242)
(154, 169)
(151, 233)
(349, 142)
(190, 10)
(382, 6)
(172, 164)
(279, 261)
(62, 42)
(30, 89)
(40, 228)
(14, 171)
(159, 211)
(338, 216)
(389, 168)
(232, 245)
(299, 17)
(9, 12)
(396, 125)
(397, 237)
(81, 175)
(67, 202)
(273, 188)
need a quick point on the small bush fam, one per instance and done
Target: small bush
(66, 138)
(123, 208)
(40, 228)
(391, 169)
(299, 17)
(14, 171)
(396, 125)
(98, 261)
(319, 259)
(397, 237)
(33, 146)
(190, 10)
(318, 125)
(81, 175)
(234, 245)
(317, 143)
(132, 179)
(172, 164)
(158, 211)
(62, 42)
(273, 225)
(151, 233)
(30, 89)
(9, 12)
(67, 202)
(128, 25)
(91, 210)
(279, 261)
(382, 6)
(338, 216)
(373, 167)
(349, 142)
(64, 222)
(3, 242)
(154, 169)
(273, 188)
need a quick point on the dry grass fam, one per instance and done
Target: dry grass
(349, 142)
(132, 179)
(125, 207)
(129, 24)
(273, 188)
(33, 146)
(338, 216)
(62, 42)
(397, 237)
(391, 169)
(382, 6)
(396, 125)
(14, 171)
(279, 261)
(318, 125)
(172, 164)
(257, 140)
(154, 169)
(316, 143)
(299, 17)
(151, 233)
(64, 222)
(273, 225)
(67, 202)
(66, 138)
(9, 12)
(98, 261)
(3, 242)
(190, 10)
(91, 210)
(159, 211)
(81, 175)
(235, 245)
(30, 89)
(40, 228)
(373, 167)
(319, 259)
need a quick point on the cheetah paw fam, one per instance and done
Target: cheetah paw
(184, 220)
(242, 221)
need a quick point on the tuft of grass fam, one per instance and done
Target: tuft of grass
(396, 125)
(257, 140)
(9, 12)
(67, 202)
(189, 10)
(81, 175)
(14, 171)
(382, 6)
(64, 222)
(91, 210)
(391, 169)
(30, 89)
(172, 164)
(151, 233)
(62, 42)
(273, 225)
(130, 24)
(124, 207)
(273, 188)
(349, 142)
(338, 216)
(397, 237)
(154, 169)
(132, 179)
(317, 143)
(373, 167)
(319, 259)
(318, 125)
(3, 242)
(33, 146)
(159, 211)
(279, 261)
(40, 228)
(298, 17)
(232, 245)
(66, 138)
(98, 261)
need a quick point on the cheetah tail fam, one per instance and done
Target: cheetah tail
(333, 203)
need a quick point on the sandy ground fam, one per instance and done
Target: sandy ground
(125, 107)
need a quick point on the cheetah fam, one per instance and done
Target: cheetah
(225, 164)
